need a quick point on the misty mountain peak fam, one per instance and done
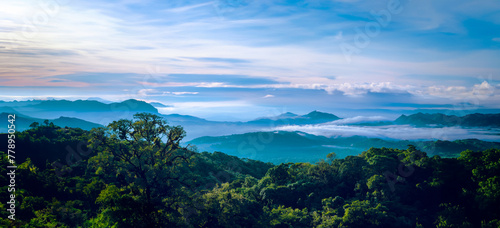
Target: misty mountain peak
(321, 115)
(287, 115)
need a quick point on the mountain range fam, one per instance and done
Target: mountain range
(89, 106)
(288, 118)
(284, 146)
(92, 113)
(82, 108)
(87, 114)
(23, 122)
(438, 119)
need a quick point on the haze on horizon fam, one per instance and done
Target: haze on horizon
(243, 59)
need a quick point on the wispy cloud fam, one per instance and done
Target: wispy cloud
(222, 60)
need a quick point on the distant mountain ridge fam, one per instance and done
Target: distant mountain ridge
(89, 105)
(95, 106)
(470, 120)
(23, 122)
(92, 111)
(159, 105)
(97, 113)
(288, 118)
(315, 115)
(296, 146)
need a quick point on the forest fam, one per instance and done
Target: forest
(136, 173)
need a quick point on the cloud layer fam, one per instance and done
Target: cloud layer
(400, 132)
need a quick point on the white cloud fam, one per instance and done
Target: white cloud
(212, 85)
(183, 93)
(483, 89)
(146, 92)
(185, 9)
(478, 92)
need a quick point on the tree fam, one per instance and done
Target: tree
(144, 156)
(331, 156)
(223, 207)
(452, 216)
(289, 217)
(34, 125)
(279, 174)
(365, 214)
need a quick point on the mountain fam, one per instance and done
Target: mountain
(321, 116)
(88, 110)
(9, 110)
(23, 122)
(287, 115)
(289, 118)
(282, 146)
(159, 105)
(94, 106)
(478, 119)
(99, 99)
(96, 113)
(16, 103)
(276, 147)
(90, 105)
(439, 119)
(197, 127)
(179, 119)
(74, 123)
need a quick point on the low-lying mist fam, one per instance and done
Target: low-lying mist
(362, 127)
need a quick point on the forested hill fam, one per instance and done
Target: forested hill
(288, 146)
(125, 176)
(471, 120)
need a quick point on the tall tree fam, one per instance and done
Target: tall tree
(144, 157)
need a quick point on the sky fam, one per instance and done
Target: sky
(241, 59)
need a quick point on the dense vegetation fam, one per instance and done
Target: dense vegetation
(135, 173)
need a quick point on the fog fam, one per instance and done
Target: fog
(340, 128)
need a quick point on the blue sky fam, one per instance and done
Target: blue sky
(239, 59)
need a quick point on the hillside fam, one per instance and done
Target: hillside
(283, 146)
(23, 122)
(438, 119)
